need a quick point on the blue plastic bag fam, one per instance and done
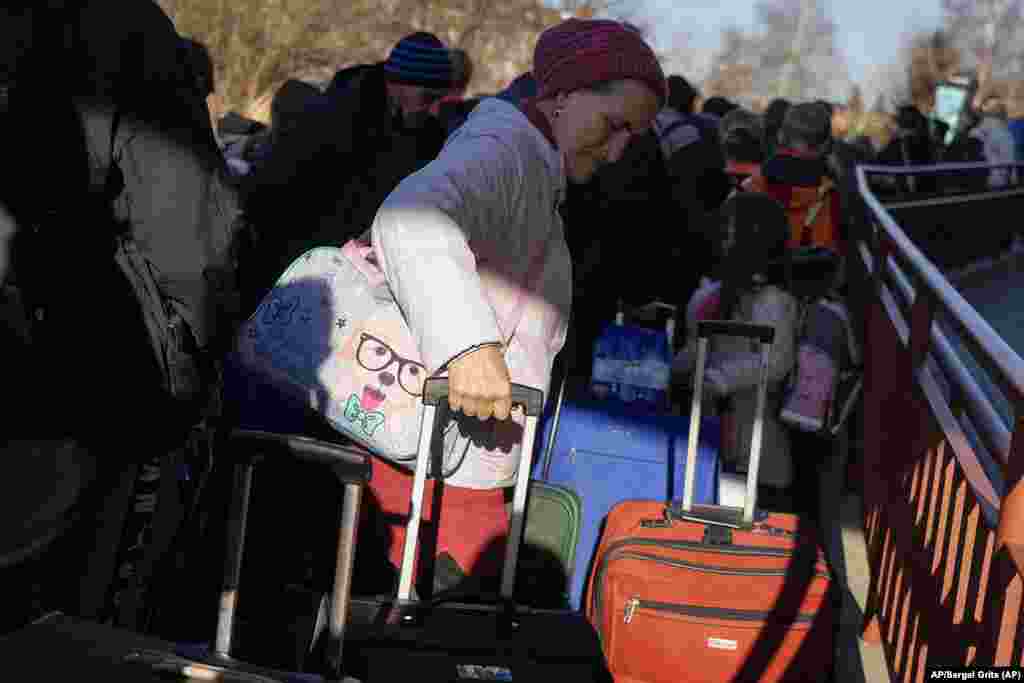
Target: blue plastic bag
(632, 364)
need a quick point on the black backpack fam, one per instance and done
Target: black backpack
(101, 296)
(90, 279)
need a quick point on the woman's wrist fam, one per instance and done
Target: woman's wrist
(468, 351)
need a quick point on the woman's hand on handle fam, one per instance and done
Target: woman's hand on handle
(479, 384)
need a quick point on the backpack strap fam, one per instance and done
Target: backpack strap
(812, 214)
(113, 183)
(678, 123)
(663, 136)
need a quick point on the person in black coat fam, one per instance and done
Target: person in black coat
(124, 88)
(326, 177)
(773, 117)
(911, 146)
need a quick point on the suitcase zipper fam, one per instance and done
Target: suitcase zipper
(634, 604)
(631, 608)
(710, 569)
(615, 550)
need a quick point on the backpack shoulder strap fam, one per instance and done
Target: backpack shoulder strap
(752, 183)
(824, 191)
(113, 183)
(677, 123)
(664, 136)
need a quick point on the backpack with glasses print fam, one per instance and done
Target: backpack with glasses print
(331, 335)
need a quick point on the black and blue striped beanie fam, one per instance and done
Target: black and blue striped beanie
(420, 59)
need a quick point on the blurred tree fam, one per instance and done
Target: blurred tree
(792, 51)
(799, 58)
(732, 70)
(258, 44)
(933, 58)
(989, 33)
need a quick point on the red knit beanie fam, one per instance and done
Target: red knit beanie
(578, 54)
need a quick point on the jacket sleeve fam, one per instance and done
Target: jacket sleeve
(728, 373)
(430, 235)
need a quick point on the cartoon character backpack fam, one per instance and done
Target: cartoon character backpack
(330, 334)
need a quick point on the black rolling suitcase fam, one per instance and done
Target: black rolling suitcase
(480, 637)
(351, 466)
(58, 647)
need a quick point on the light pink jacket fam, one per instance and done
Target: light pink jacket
(474, 250)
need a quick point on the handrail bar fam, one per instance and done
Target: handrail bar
(938, 199)
(979, 407)
(936, 169)
(944, 504)
(1002, 356)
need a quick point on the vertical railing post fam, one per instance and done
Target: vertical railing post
(998, 573)
(881, 248)
(922, 314)
(1004, 568)
(1011, 509)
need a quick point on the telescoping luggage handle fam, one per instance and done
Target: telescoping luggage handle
(434, 392)
(716, 514)
(352, 467)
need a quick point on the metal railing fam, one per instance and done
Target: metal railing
(958, 194)
(944, 510)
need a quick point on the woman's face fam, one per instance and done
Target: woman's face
(594, 128)
(411, 99)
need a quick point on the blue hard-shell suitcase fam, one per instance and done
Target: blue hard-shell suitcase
(608, 451)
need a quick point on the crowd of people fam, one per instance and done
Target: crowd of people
(624, 184)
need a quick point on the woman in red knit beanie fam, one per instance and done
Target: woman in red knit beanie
(474, 251)
(599, 84)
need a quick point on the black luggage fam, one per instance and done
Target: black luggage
(469, 637)
(54, 648)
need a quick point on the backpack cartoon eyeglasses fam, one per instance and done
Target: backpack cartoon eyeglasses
(375, 355)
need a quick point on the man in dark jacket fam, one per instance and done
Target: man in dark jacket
(140, 61)
(911, 146)
(127, 78)
(691, 147)
(697, 183)
(123, 90)
(673, 172)
(322, 184)
(797, 176)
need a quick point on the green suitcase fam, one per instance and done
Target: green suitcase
(548, 553)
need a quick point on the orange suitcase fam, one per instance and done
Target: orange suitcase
(707, 594)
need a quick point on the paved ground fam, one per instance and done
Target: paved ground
(856, 661)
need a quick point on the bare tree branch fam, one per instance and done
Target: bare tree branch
(792, 51)
(258, 44)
